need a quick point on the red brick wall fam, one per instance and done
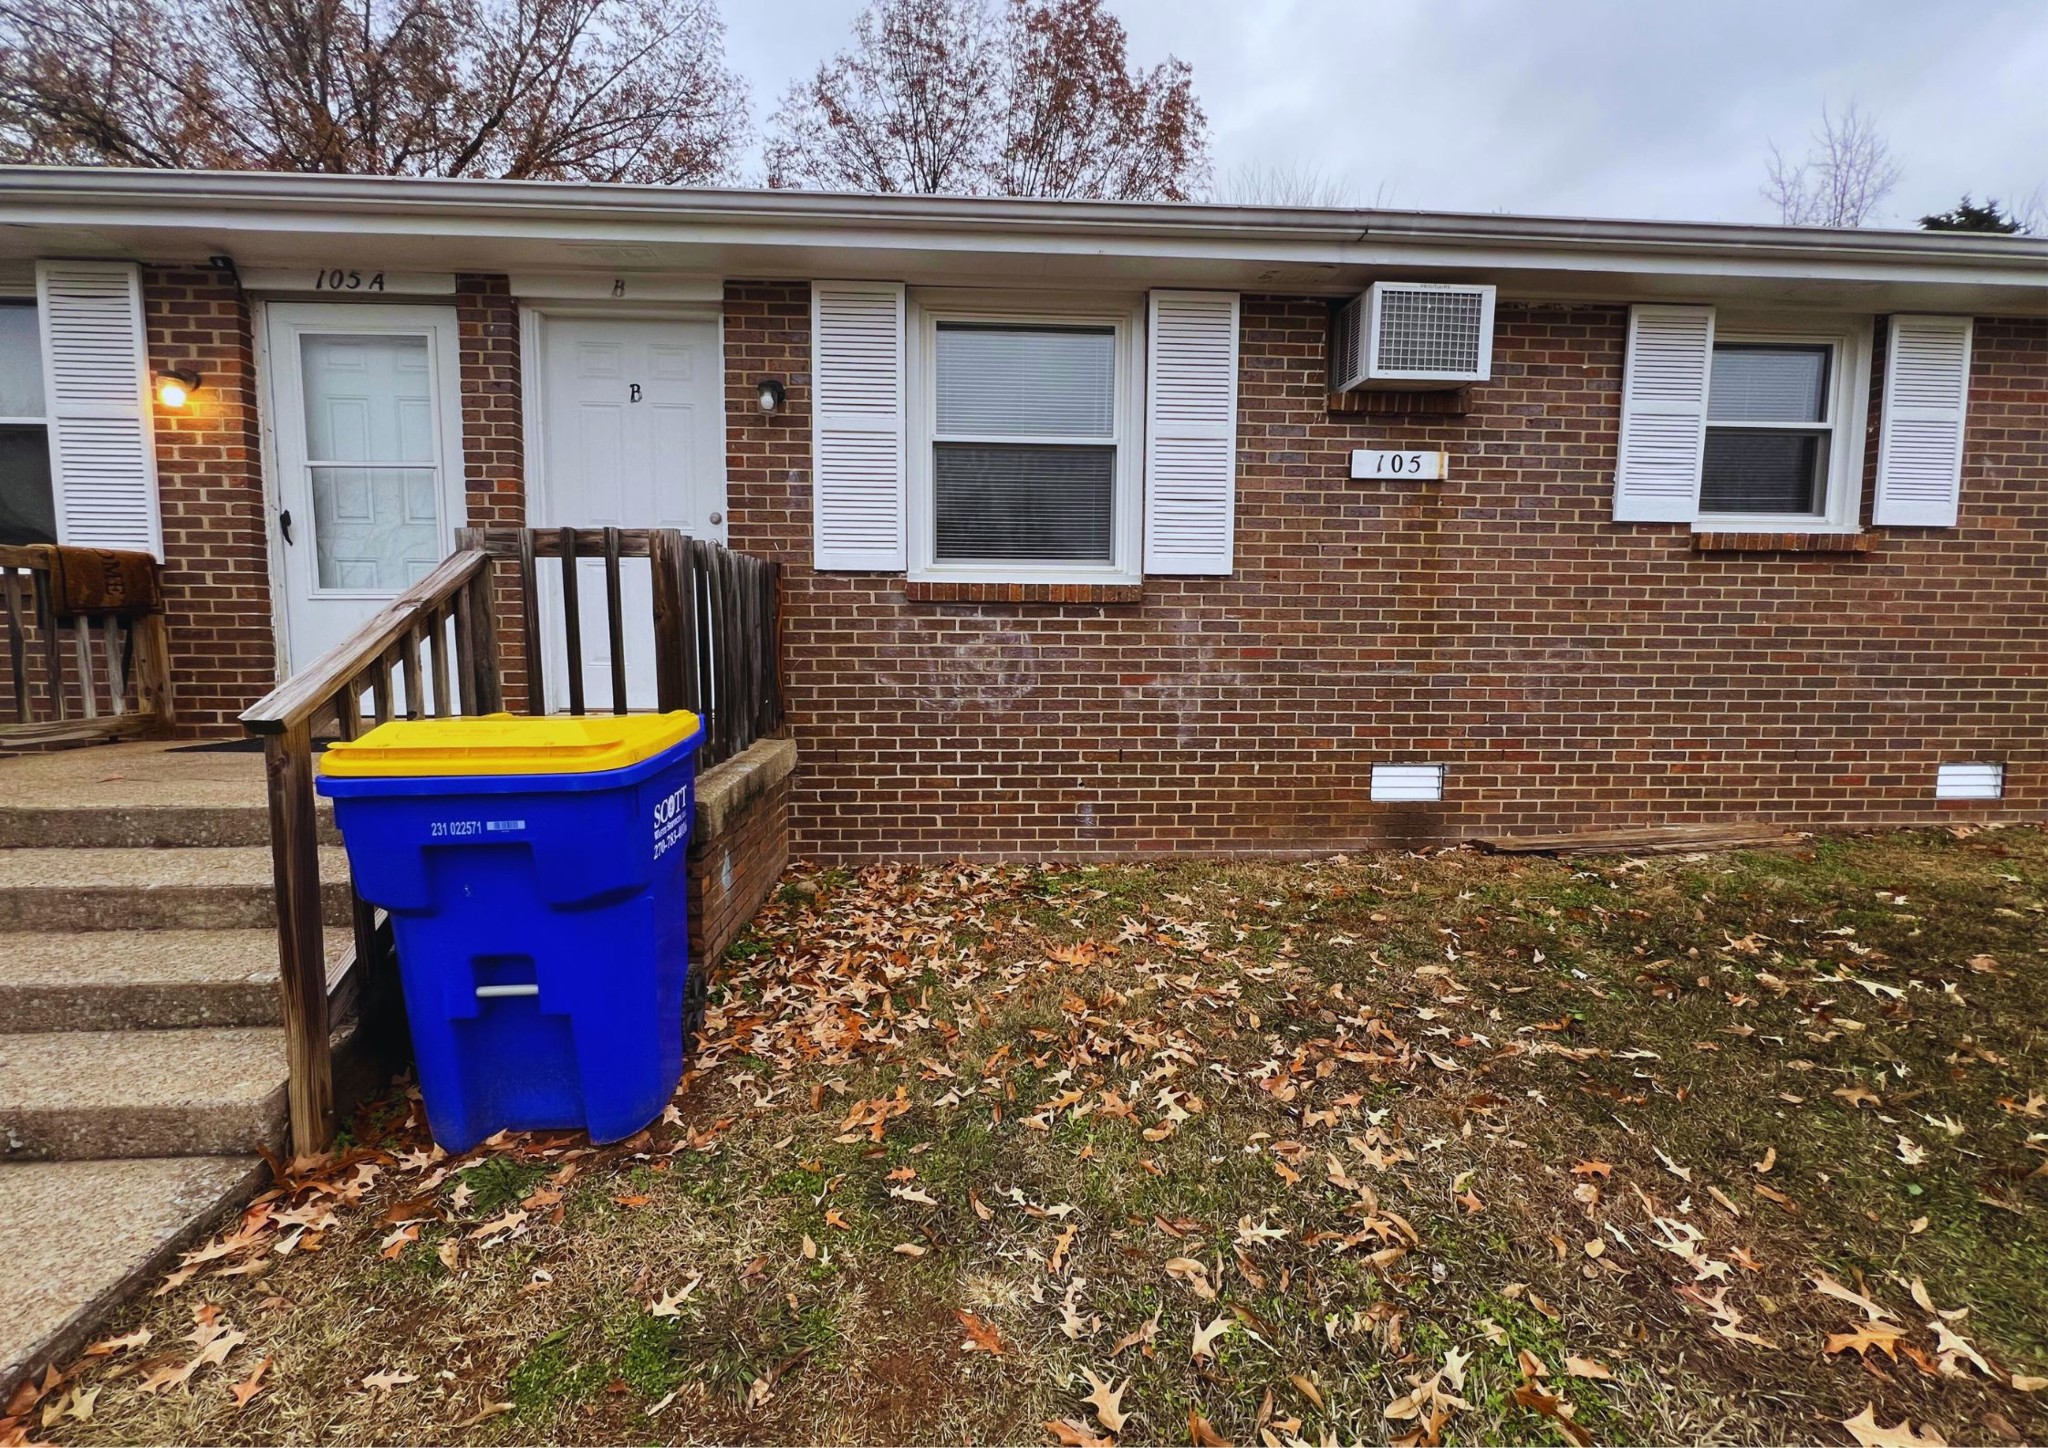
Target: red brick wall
(733, 874)
(1569, 670)
(210, 487)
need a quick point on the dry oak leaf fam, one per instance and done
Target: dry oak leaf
(1191, 1275)
(1202, 1435)
(1205, 1338)
(1147, 1331)
(1584, 1367)
(1107, 1402)
(1879, 1335)
(1827, 1285)
(381, 1383)
(109, 1346)
(1070, 1434)
(2024, 1384)
(981, 1336)
(250, 1386)
(1866, 1430)
(1060, 1246)
(1858, 1095)
(908, 1249)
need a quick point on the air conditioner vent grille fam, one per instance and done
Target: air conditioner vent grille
(1433, 331)
(1413, 335)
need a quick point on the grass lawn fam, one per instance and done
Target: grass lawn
(1453, 1148)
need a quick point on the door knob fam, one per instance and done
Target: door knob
(717, 518)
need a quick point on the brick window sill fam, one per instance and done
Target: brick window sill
(1784, 542)
(960, 592)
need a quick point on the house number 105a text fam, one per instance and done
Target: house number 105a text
(1366, 463)
(337, 279)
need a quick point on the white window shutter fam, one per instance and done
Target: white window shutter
(857, 427)
(1663, 414)
(1191, 433)
(1920, 441)
(96, 373)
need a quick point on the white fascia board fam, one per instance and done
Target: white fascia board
(263, 215)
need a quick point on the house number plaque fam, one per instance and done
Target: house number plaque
(1428, 466)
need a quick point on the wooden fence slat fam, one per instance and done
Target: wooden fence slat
(572, 618)
(53, 650)
(529, 597)
(81, 638)
(17, 643)
(415, 686)
(437, 639)
(465, 651)
(485, 664)
(668, 574)
(117, 677)
(615, 618)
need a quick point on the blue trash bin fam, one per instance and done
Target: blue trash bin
(534, 872)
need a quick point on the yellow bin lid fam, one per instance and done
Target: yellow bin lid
(507, 744)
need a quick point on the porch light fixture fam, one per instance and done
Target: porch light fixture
(175, 386)
(771, 394)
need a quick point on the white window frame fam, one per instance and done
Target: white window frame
(14, 293)
(1848, 407)
(1125, 316)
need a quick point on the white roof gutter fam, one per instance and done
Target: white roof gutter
(112, 201)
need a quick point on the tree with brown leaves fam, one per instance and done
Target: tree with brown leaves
(976, 97)
(597, 90)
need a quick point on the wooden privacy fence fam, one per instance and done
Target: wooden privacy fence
(434, 652)
(78, 677)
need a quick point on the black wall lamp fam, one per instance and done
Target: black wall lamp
(175, 386)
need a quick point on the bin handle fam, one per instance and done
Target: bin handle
(496, 992)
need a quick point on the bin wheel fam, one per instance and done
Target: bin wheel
(695, 989)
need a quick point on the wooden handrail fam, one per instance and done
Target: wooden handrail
(301, 698)
(716, 621)
(111, 680)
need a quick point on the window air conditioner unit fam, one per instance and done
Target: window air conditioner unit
(1412, 336)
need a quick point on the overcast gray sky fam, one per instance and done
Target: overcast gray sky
(1642, 108)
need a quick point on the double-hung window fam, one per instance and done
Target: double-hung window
(28, 509)
(1024, 455)
(1784, 442)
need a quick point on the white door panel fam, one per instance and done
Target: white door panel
(632, 436)
(367, 453)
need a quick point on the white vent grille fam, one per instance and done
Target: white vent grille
(1409, 334)
(1410, 783)
(1969, 781)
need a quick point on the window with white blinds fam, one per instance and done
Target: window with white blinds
(1023, 447)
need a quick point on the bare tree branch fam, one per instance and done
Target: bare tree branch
(991, 97)
(1291, 184)
(1842, 179)
(600, 90)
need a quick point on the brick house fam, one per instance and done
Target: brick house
(1109, 528)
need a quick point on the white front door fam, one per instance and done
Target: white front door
(631, 418)
(367, 445)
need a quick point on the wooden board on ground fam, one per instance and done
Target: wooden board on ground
(1645, 840)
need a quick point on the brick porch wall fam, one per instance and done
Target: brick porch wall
(210, 490)
(1569, 670)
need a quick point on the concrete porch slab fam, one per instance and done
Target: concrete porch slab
(75, 1236)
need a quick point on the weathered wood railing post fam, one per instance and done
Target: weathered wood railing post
(295, 862)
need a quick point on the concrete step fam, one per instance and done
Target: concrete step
(81, 1095)
(79, 1236)
(126, 980)
(132, 827)
(226, 888)
(151, 793)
